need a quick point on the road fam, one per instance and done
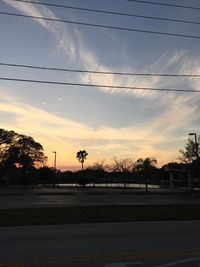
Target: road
(175, 243)
(61, 197)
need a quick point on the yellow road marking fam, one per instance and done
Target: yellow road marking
(104, 257)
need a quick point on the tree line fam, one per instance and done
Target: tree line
(22, 161)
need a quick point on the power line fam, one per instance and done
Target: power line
(109, 12)
(98, 85)
(99, 72)
(164, 4)
(102, 26)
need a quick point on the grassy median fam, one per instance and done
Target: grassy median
(98, 214)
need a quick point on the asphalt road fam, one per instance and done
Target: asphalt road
(60, 197)
(158, 244)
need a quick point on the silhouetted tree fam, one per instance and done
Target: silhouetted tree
(46, 174)
(81, 156)
(123, 169)
(99, 166)
(191, 156)
(123, 165)
(146, 167)
(20, 151)
(191, 151)
(97, 171)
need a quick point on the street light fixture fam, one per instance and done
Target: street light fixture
(54, 160)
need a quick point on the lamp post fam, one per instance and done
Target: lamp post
(54, 160)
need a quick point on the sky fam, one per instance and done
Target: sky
(105, 122)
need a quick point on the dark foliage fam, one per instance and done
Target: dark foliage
(20, 151)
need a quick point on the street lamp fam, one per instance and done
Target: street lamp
(54, 160)
(196, 144)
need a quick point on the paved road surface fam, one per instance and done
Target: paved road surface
(57, 197)
(102, 245)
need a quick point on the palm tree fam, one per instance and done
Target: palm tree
(81, 156)
(146, 166)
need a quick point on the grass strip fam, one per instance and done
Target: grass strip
(98, 214)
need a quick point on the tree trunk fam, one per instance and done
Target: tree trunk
(146, 184)
(82, 165)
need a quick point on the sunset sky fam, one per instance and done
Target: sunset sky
(105, 122)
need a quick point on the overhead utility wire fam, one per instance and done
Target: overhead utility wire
(102, 26)
(98, 72)
(109, 12)
(164, 4)
(98, 85)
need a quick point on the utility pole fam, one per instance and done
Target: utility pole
(54, 160)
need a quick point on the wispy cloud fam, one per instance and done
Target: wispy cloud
(67, 135)
(62, 34)
(175, 111)
(71, 43)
